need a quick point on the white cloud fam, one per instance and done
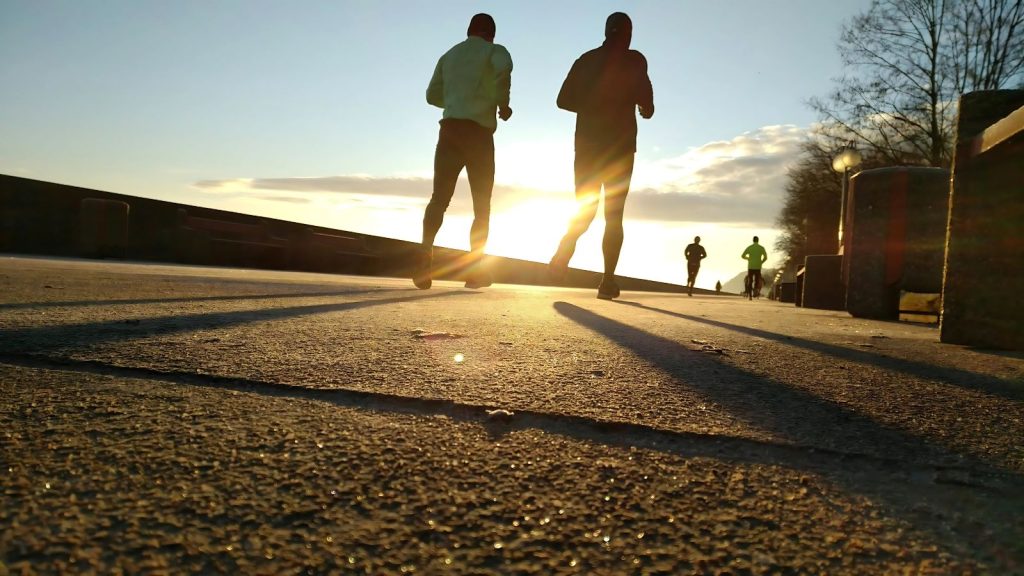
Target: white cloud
(354, 184)
(735, 181)
(286, 199)
(739, 181)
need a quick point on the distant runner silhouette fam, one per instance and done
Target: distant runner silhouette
(755, 255)
(694, 254)
(470, 82)
(605, 87)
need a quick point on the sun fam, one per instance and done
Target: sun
(530, 230)
(536, 165)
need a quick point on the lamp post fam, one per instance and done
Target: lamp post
(847, 159)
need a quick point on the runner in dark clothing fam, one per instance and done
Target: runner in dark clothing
(605, 88)
(694, 254)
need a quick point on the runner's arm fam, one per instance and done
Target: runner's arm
(435, 90)
(569, 97)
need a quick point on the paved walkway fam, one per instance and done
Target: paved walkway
(204, 419)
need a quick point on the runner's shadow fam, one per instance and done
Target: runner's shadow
(797, 416)
(946, 375)
(41, 339)
(790, 414)
(81, 303)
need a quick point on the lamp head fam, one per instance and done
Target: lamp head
(847, 159)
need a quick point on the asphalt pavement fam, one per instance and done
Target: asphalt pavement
(169, 419)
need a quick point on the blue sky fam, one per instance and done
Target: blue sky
(314, 111)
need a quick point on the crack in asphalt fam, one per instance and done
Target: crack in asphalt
(498, 421)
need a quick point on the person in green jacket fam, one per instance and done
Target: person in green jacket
(755, 255)
(471, 82)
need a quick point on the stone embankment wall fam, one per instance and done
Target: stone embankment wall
(46, 218)
(895, 237)
(984, 260)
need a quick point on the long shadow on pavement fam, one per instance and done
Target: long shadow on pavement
(82, 303)
(41, 338)
(751, 397)
(951, 376)
(797, 415)
(784, 411)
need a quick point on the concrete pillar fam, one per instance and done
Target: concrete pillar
(894, 239)
(983, 285)
(823, 282)
(787, 292)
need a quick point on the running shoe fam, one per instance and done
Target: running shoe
(559, 266)
(608, 289)
(423, 270)
(479, 279)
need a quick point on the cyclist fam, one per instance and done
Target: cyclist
(755, 255)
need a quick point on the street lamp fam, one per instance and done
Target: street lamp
(847, 159)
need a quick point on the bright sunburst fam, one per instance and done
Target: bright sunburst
(530, 230)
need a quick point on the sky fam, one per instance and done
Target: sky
(315, 112)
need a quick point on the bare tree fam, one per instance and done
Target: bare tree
(810, 216)
(986, 50)
(907, 62)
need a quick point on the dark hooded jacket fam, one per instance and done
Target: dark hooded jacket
(603, 88)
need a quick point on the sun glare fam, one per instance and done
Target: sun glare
(537, 165)
(530, 230)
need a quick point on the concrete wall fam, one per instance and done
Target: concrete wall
(823, 282)
(46, 218)
(983, 285)
(895, 237)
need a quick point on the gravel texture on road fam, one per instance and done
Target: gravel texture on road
(106, 474)
(175, 418)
